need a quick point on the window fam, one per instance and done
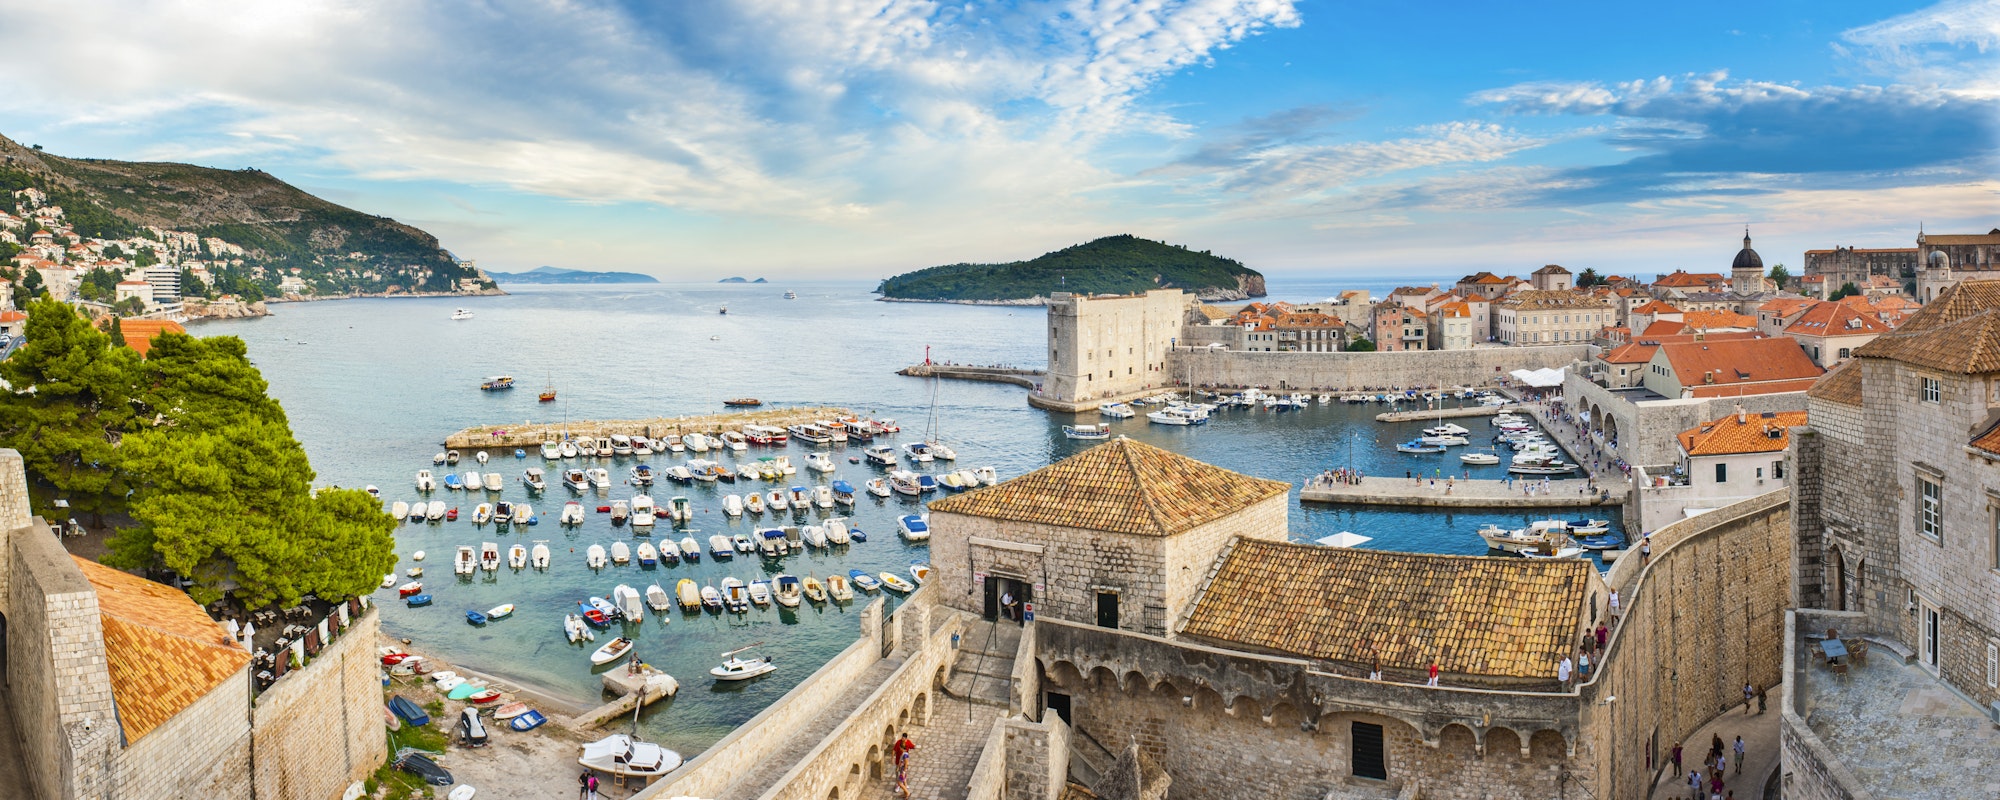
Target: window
(1930, 508)
(1760, 473)
(1722, 473)
(1932, 391)
(1367, 751)
(1843, 353)
(1778, 470)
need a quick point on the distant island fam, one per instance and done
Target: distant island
(741, 279)
(1122, 264)
(560, 275)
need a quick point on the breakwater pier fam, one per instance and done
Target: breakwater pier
(1445, 413)
(531, 434)
(1024, 378)
(1463, 493)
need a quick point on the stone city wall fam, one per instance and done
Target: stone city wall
(1810, 770)
(1647, 431)
(717, 769)
(1037, 758)
(203, 751)
(320, 728)
(1703, 618)
(58, 683)
(1339, 372)
(989, 776)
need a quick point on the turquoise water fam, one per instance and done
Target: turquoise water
(373, 386)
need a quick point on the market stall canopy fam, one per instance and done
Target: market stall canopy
(1344, 539)
(1540, 378)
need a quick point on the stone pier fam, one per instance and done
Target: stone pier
(532, 434)
(1449, 413)
(1463, 493)
(1024, 378)
(631, 687)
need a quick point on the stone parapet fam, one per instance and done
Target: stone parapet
(320, 728)
(1354, 371)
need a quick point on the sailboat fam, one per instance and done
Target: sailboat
(548, 394)
(937, 448)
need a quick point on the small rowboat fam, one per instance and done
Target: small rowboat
(896, 583)
(393, 659)
(527, 722)
(484, 696)
(611, 651)
(510, 711)
(863, 580)
(500, 611)
(921, 572)
(419, 601)
(410, 589)
(463, 690)
(743, 402)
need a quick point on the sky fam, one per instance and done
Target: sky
(694, 139)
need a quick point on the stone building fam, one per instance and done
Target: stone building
(1737, 457)
(1097, 537)
(1110, 347)
(1548, 317)
(1453, 326)
(1856, 264)
(1553, 278)
(1946, 259)
(1399, 327)
(1729, 368)
(1309, 333)
(1830, 332)
(120, 687)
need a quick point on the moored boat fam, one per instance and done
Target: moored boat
(914, 527)
(611, 651)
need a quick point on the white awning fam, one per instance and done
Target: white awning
(1344, 539)
(1540, 378)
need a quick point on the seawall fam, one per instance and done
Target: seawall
(1350, 371)
(526, 434)
(1024, 378)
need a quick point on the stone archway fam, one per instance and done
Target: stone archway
(1836, 579)
(1548, 744)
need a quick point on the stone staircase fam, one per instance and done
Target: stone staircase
(983, 672)
(1089, 760)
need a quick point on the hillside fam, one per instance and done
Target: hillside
(277, 226)
(560, 275)
(1121, 264)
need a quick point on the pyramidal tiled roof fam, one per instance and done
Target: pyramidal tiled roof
(1842, 385)
(1968, 345)
(1495, 617)
(1120, 486)
(162, 650)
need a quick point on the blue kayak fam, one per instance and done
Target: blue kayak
(528, 721)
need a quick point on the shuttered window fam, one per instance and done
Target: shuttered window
(1368, 756)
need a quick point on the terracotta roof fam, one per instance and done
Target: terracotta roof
(1681, 278)
(1967, 238)
(1552, 269)
(1747, 389)
(1475, 615)
(1836, 319)
(1213, 312)
(1544, 298)
(1957, 332)
(1704, 320)
(1120, 486)
(1634, 353)
(1989, 442)
(1731, 436)
(1656, 307)
(13, 316)
(1784, 306)
(1309, 321)
(1738, 363)
(1665, 327)
(140, 333)
(1840, 385)
(162, 650)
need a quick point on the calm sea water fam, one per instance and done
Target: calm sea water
(373, 386)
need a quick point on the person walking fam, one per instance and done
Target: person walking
(1614, 604)
(1694, 784)
(1645, 549)
(1603, 634)
(1674, 755)
(1434, 673)
(1749, 693)
(1739, 755)
(592, 785)
(583, 785)
(1760, 699)
(1563, 669)
(1583, 665)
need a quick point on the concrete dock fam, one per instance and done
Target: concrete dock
(648, 683)
(1024, 378)
(532, 434)
(1449, 413)
(1568, 493)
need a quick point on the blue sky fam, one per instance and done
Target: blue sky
(863, 138)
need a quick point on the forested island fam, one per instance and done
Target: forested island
(1121, 264)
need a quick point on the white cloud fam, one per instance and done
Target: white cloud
(1929, 46)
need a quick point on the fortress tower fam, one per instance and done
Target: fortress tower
(1107, 347)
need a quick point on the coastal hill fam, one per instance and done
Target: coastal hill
(1120, 264)
(277, 225)
(560, 275)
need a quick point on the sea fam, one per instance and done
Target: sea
(373, 386)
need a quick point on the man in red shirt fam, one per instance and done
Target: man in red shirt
(902, 749)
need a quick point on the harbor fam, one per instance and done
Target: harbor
(532, 434)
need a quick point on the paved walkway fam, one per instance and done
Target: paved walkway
(1760, 751)
(1901, 733)
(13, 768)
(1460, 493)
(781, 759)
(947, 751)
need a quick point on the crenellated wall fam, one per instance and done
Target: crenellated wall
(320, 728)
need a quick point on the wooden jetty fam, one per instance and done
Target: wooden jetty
(532, 434)
(1464, 493)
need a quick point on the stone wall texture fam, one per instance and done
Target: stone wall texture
(320, 729)
(1037, 758)
(201, 752)
(1106, 347)
(57, 677)
(1337, 372)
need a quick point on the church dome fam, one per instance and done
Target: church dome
(1747, 258)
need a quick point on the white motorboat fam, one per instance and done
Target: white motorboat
(460, 313)
(736, 668)
(760, 592)
(602, 446)
(1087, 431)
(690, 549)
(577, 480)
(517, 557)
(646, 554)
(568, 449)
(535, 478)
(620, 511)
(785, 589)
(1116, 411)
(878, 487)
(695, 442)
(620, 553)
(574, 628)
(482, 513)
(628, 601)
(800, 498)
(572, 513)
(600, 478)
(1445, 429)
(621, 445)
(734, 441)
(819, 462)
(1178, 415)
(1446, 441)
(434, 510)
(747, 471)
(425, 482)
(472, 481)
(539, 558)
(735, 595)
(1479, 458)
(493, 481)
(987, 476)
(400, 509)
(389, 580)
(905, 482)
(594, 556)
(524, 514)
(776, 500)
(732, 505)
(836, 530)
(743, 543)
(679, 473)
(838, 588)
(940, 452)
(822, 497)
(642, 511)
(680, 510)
(914, 527)
(721, 548)
(489, 556)
(465, 562)
(480, 457)
(658, 599)
(882, 454)
(642, 475)
(551, 450)
(918, 452)
(611, 651)
(814, 536)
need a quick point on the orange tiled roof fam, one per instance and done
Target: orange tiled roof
(1656, 307)
(1738, 362)
(140, 333)
(1954, 238)
(1493, 617)
(1747, 389)
(1665, 327)
(1784, 306)
(1634, 353)
(1681, 279)
(1989, 442)
(1840, 385)
(1957, 332)
(1836, 319)
(1120, 486)
(1704, 320)
(1734, 436)
(162, 650)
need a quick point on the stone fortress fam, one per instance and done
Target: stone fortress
(120, 687)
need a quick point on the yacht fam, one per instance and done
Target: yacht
(461, 313)
(918, 452)
(1116, 411)
(882, 454)
(1178, 415)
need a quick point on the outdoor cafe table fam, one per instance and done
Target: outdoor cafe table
(1833, 648)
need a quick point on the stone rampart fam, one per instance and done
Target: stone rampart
(1811, 770)
(1037, 758)
(202, 751)
(1349, 371)
(58, 682)
(320, 728)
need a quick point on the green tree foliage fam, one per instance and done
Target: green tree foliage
(69, 426)
(117, 333)
(145, 257)
(130, 306)
(1116, 264)
(98, 284)
(1780, 276)
(1588, 278)
(1847, 289)
(1360, 345)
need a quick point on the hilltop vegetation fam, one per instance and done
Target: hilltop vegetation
(1120, 264)
(560, 275)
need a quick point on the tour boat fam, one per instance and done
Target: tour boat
(642, 511)
(647, 555)
(1087, 431)
(460, 313)
(572, 513)
(657, 599)
(1479, 458)
(835, 530)
(540, 556)
(721, 548)
(906, 483)
(1417, 446)
(810, 434)
(1116, 411)
(498, 382)
(837, 588)
(878, 487)
(894, 582)
(611, 651)
(918, 452)
(735, 667)
(920, 572)
(688, 594)
(594, 556)
(742, 402)
(517, 557)
(425, 482)
(760, 592)
(863, 580)
(493, 481)
(776, 500)
(882, 454)
(915, 527)
(489, 556)
(814, 590)
(599, 478)
(734, 594)
(690, 549)
(619, 512)
(466, 562)
(620, 553)
(732, 505)
(535, 478)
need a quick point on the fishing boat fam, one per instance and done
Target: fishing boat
(451, 457)
(418, 600)
(742, 402)
(837, 587)
(760, 592)
(819, 462)
(711, 598)
(600, 478)
(489, 556)
(620, 553)
(493, 481)
(425, 482)
(452, 483)
(572, 513)
(743, 543)
(690, 549)
(686, 592)
(905, 482)
(732, 505)
(920, 572)
(843, 493)
(1116, 411)
(894, 582)
(535, 479)
(736, 668)
(501, 611)
(642, 511)
(813, 590)
(926, 483)
(1417, 446)
(863, 581)
(647, 555)
(611, 651)
(517, 557)
(721, 548)
(524, 514)
(411, 588)
(411, 713)
(914, 527)
(466, 562)
(399, 509)
(878, 487)
(813, 535)
(594, 556)
(539, 558)
(1087, 431)
(735, 595)
(787, 591)
(776, 500)
(497, 383)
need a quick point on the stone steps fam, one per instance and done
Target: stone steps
(1089, 762)
(989, 690)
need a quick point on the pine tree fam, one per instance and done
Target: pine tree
(68, 428)
(117, 333)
